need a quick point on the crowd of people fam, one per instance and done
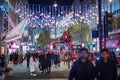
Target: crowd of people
(42, 59)
(88, 68)
(16, 58)
(45, 60)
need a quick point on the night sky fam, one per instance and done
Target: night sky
(51, 2)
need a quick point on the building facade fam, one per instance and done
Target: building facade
(114, 5)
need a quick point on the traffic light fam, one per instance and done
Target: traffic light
(67, 38)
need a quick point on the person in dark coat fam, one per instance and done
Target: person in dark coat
(2, 61)
(82, 69)
(15, 57)
(106, 67)
(3, 66)
(56, 60)
(11, 57)
(113, 57)
(48, 62)
(42, 63)
(27, 57)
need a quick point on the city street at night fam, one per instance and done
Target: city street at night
(59, 39)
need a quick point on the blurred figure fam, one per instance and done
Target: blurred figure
(66, 57)
(27, 57)
(42, 62)
(92, 59)
(57, 60)
(48, 62)
(20, 57)
(2, 66)
(82, 69)
(11, 57)
(32, 65)
(113, 57)
(15, 58)
(106, 67)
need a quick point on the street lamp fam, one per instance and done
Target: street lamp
(55, 5)
(110, 1)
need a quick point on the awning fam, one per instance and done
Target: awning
(16, 32)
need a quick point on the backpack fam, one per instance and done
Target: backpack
(66, 57)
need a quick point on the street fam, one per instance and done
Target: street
(20, 72)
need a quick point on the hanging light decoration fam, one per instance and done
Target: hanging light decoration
(45, 15)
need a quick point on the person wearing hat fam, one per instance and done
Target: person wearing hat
(106, 67)
(82, 69)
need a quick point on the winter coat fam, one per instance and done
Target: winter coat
(32, 64)
(15, 56)
(82, 71)
(56, 59)
(106, 71)
(48, 60)
(2, 63)
(42, 61)
(11, 57)
(27, 57)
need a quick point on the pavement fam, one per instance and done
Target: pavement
(20, 72)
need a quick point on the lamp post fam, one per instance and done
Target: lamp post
(110, 1)
(0, 30)
(55, 6)
(100, 24)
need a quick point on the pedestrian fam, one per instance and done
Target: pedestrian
(11, 57)
(27, 57)
(15, 57)
(32, 65)
(113, 57)
(48, 62)
(20, 58)
(56, 60)
(106, 67)
(42, 63)
(92, 59)
(82, 69)
(66, 59)
(3, 66)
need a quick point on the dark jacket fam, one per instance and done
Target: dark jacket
(15, 56)
(106, 71)
(56, 59)
(11, 57)
(42, 61)
(48, 60)
(82, 71)
(27, 57)
(2, 63)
